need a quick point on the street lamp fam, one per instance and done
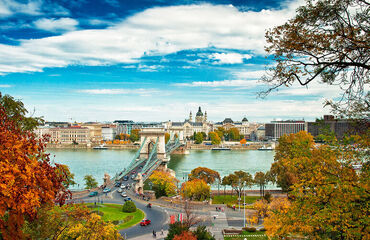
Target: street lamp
(244, 207)
(239, 196)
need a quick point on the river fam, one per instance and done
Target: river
(97, 162)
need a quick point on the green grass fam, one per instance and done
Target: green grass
(261, 236)
(114, 212)
(233, 199)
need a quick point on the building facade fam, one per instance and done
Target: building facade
(126, 126)
(244, 126)
(69, 135)
(108, 133)
(276, 129)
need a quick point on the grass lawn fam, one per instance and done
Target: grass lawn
(114, 212)
(249, 235)
(233, 199)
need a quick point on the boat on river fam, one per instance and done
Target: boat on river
(100, 147)
(264, 148)
(222, 148)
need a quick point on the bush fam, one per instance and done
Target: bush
(262, 230)
(268, 197)
(250, 229)
(116, 222)
(129, 207)
(100, 213)
(128, 218)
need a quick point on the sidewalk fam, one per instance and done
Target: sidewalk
(150, 236)
(219, 223)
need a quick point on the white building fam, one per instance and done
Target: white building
(108, 133)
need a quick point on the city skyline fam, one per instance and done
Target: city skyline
(148, 60)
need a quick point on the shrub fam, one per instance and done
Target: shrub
(129, 207)
(268, 197)
(100, 213)
(250, 229)
(128, 218)
(116, 222)
(262, 230)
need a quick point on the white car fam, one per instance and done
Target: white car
(120, 190)
(123, 186)
(124, 194)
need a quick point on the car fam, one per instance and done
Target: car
(127, 199)
(120, 190)
(123, 186)
(117, 184)
(93, 194)
(133, 176)
(145, 222)
(123, 194)
(106, 190)
(125, 178)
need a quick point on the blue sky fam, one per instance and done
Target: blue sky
(147, 60)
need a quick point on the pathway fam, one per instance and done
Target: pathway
(219, 222)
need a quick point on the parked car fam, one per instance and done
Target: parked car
(120, 190)
(123, 186)
(93, 194)
(123, 194)
(106, 190)
(145, 222)
(125, 178)
(117, 184)
(127, 199)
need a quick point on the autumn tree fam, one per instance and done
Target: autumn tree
(167, 137)
(328, 199)
(206, 174)
(27, 178)
(164, 184)
(239, 180)
(243, 141)
(220, 132)
(176, 228)
(287, 154)
(135, 135)
(196, 189)
(185, 235)
(90, 182)
(198, 138)
(233, 134)
(215, 139)
(327, 42)
(72, 221)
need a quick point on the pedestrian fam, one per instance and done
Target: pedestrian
(162, 231)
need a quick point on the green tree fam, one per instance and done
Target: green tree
(204, 135)
(16, 111)
(327, 42)
(198, 138)
(261, 179)
(135, 135)
(129, 207)
(234, 134)
(176, 229)
(90, 182)
(202, 234)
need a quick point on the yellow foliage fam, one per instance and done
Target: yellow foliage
(196, 189)
(164, 181)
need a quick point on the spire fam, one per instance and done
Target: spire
(205, 116)
(190, 117)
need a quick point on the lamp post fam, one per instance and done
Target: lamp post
(244, 207)
(239, 196)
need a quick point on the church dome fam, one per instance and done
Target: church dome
(199, 113)
(245, 119)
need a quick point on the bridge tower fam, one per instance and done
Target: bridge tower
(151, 136)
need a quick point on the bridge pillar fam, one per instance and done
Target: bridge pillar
(152, 134)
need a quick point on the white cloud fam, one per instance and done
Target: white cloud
(56, 25)
(223, 83)
(229, 58)
(5, 86)
(156, 31)
(140, 91)
(9, 7)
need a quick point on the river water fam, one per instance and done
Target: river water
(97, 162)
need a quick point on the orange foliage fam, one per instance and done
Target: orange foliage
(243, 141)
(27, 179)
(196, 189)
(185, 236)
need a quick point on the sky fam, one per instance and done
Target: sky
(148, 60)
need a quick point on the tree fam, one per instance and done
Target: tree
(287, 152)
(72, 221)
(15, 110)
(27, 178)
(196, 189)
(198, 138)
(220, 132)
(135, 135)
(243, 141)
(204, 135)
(261, 179)
(129, 207)
(167, 137)
(185, 235)
(176, 229)
(328, 42)
(215, 139)
(206, 174)
(164, 184)
(90, 182)
(201, 233)
(238, 180)
(329, 199)
(233, 134)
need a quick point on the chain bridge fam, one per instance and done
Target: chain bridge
(153, 153)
